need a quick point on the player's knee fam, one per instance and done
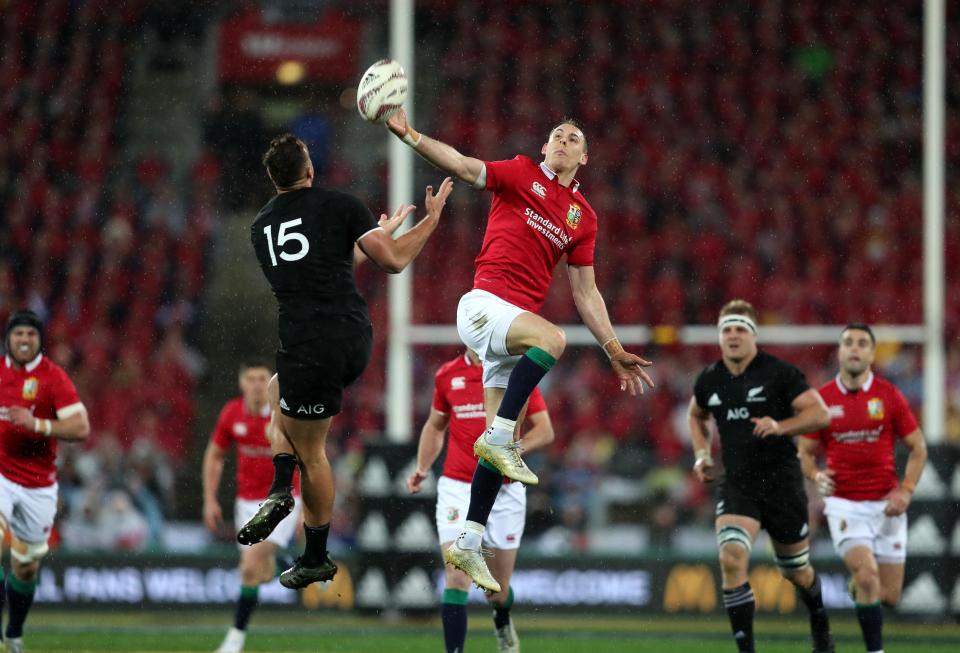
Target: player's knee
(499, 598)
(26, 556)
(795, 567)
(457, 580)
(734, 544)
(25, 572)
(553, 341)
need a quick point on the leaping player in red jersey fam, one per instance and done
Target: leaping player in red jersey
(865, 504)
(458, 407)
(244, 421)
(38, 406)
(538, 215)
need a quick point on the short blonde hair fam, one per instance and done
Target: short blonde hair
(739, 307)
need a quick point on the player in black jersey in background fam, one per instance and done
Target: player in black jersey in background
(304, 241)
(758, 402)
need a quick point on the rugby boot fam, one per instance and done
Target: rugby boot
(506, 458)
(300, 575)
(823, 643)
(473, 565)
(233, 642)
(272, 511)
(15, 645)
(507, 641)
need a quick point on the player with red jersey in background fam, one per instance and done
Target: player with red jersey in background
(458, 407)
(865, 503)
(38, 406)
(244, 421)
(538, 216)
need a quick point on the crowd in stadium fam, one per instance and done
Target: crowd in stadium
(771, 155)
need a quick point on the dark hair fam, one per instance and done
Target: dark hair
(22, 318)
(860, 327)
(286, 161)
(739, 307)
(255, 363)
(576, 123)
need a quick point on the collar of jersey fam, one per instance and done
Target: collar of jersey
(29, 367)
(864, 388)
(551, 175)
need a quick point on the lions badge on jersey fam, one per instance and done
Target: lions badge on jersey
(875, 408)
(30, 388)
(574, 214)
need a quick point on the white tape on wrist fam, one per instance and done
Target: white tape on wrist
(410, 140)
(703, 455)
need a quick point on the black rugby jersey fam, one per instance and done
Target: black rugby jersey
(765, 389)
(304, 242)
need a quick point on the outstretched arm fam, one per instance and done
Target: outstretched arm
(438, 154)
(393, 256)
(389, 226)
(593, 311)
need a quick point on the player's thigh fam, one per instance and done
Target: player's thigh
(31, 518)
(530, 330)
(507, 519)
(453, 500)
(859, 559)
(8, 496)
(483, 323)
(784, 513)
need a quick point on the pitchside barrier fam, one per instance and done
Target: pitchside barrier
(395, 564)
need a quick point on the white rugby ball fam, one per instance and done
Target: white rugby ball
(382, 90)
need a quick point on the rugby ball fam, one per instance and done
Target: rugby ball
(382, 90)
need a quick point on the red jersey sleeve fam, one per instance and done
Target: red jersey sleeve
(501, 173)
(904, 422)
(221, 432)
(65, 395)
(440, 403)
(582, 251)
(537, 404)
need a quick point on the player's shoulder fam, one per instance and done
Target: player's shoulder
(885, 386)
(773, 364)
(232, 408)
(48, 368)
(829, 389)
(710, 373)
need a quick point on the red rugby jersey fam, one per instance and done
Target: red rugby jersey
(42, 386)
(864, 427)
(533, 222)
(254, 457)
(458, 392)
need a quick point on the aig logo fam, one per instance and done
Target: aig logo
(738, 413)
(310, 409)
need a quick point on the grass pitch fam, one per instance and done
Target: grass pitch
(297, 630)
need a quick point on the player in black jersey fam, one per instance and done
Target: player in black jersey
(758, 402)
(304, 240)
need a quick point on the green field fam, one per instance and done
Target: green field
(281, 632)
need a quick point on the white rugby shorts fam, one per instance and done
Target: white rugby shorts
(505, 525)
(483, 320)
(862, 523)
(28, 510)
(282, 535)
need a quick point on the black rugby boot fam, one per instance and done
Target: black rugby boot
(300, 575)
(272, 511)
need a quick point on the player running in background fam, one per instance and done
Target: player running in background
(758, 402)
(458, 406)
(866, 506)
(243, 421)
(38, 406)
(304, 239)
(538, 215)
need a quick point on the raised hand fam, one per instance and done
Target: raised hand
(435, 203)
(397, 123)
(393, 223)
(629, 369)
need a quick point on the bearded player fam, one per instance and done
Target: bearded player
(38, 406)
(865, 502)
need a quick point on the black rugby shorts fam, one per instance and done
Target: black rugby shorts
(781, 508)
(313, 374)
